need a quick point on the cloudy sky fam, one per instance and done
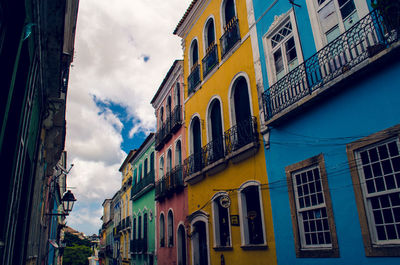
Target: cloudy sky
(123, 49)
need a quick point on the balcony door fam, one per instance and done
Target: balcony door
(196, 144)
(242, 135)
(216, 131)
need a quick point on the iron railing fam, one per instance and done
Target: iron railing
(230, 37)
(147, 180)
(170, 183)
(367, 36)
(243, 133)
(176, 118)
(210, 60)
(177, 177)
(194, 78)
(213, 151)
(193, 163)
(159, 138)
(160, 190)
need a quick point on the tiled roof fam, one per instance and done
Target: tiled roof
(185, 15)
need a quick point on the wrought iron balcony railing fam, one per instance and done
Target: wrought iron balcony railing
(160, 189)
(176, 118)
(240, 135)
(177, 177)
(365, 38)
(159, 138)
(210, 60)
(170, 183)
(230, 37)
(213, 151)
(193, 163)
(194, 78)
(147, 180)
(243, 133)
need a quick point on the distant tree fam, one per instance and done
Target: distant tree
(71, 239)
(77, 255)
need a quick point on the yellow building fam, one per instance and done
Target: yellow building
(229, 218)
(124, 225)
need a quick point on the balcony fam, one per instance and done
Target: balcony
(364, 39)
(141, 187)
(176, 118)
(210, 60)
(171, 183)
(230, 37)
(159, 138)
(238, 143)
(138, 246)
(194, 78)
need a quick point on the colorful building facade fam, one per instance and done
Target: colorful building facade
(330, 122)
(170, 192)
(143, 204)
(124, 225)
(229, 212)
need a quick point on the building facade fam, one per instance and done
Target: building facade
(229, 213)
(330, 122)
(35, 56)
(142, 246)
(170, 192)
(124, 224)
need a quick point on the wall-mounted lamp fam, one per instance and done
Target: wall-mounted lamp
(68, 201)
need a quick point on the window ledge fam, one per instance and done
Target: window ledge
(244, 152)
(254, 246)
(195, 177)
(222, 248)
(215, 167)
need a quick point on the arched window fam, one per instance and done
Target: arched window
(161, 168)
(169, 161)
(162, 230)
(209, 33)
(181, 245)
(145, 237)
(177, 94)
(161, 117)
(221, 221)
(241, 114)
(152, 162)
(134, 229)
(145, 170)
(194, 54)
(178, 154)
(251, 214)
(199, 243)
(135, 176)
(229, 11)
(170, 229)
(216, 132)
(140, 172)
(196, 144)
(140, 227)
(168, 108)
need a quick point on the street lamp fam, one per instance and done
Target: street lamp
(68, 201)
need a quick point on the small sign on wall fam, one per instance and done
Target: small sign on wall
(235, 220)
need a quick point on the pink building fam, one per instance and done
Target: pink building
(170, 192)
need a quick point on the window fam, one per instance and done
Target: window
(221, 222)
(375, 170)
(135, 176)
(194, 55)
(140, 172)
(145, 231)
(162, 230)
(331, 18)
(282, 47)
(168, 108)
(161, 171)
(177, 95)
(209, 34)
(196, 144)
(251, 214)
(178, 154)
(134, 229)
(145, 170)
(199, 238)
(170, 229)
(169, 160)
(152, 162)
(312, 216)
(181, 245)
(216, 132)
(228, 10)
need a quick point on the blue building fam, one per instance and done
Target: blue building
(328, 75)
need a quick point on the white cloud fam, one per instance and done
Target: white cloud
(112, 42)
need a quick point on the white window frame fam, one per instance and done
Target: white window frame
(202, 217)
(172, 231)
(367, 197)
(242, 213)
(299, 210)
(317, 29)
(215, 214)
(278, 23)
(163, 229)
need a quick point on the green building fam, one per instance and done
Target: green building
(143, 204)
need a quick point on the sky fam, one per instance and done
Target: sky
(123, 50)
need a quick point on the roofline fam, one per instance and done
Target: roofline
(142, 146)
(185, 16)
(127, 158)
(171, 69)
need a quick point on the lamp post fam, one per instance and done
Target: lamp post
(68, 201)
